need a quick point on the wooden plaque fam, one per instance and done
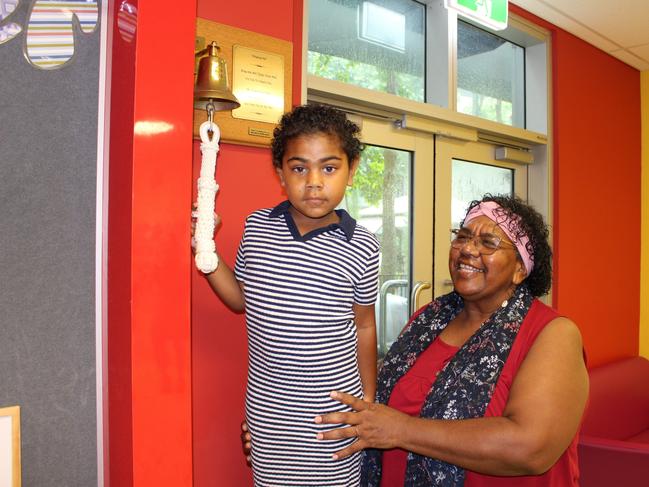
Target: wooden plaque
(253, 123)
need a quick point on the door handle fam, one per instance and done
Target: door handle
(414, 295)
(383, 293)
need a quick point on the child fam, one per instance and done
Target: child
(307, 275)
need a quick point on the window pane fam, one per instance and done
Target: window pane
(377, 45)
(471, 181)
(490, 76)
(380, 201)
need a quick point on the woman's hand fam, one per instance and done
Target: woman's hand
(374, 425)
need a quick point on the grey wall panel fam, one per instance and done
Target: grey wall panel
(48, 141)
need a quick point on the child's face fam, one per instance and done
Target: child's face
(314, 173)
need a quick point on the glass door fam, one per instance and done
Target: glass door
(392, 196)
(465, 171)
(410, 189)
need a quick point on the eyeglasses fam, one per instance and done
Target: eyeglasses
(485, 243)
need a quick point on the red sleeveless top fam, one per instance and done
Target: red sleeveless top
(411, 391)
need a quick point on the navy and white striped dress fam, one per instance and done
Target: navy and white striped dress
(302, 340)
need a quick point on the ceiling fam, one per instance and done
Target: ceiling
(618, 27)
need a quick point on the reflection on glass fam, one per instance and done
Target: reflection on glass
(471, 181)
(376, 45)
(490, 76)
(380, 201)
(382, 26)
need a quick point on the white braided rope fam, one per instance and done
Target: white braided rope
(206, 258)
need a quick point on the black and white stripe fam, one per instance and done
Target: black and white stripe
(302, 341)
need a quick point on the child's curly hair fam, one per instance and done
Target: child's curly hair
(312, 119)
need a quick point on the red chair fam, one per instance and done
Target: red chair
(614, 439)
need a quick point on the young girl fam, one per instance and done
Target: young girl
(307, 277)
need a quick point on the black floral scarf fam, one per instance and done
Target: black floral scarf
(463, 387)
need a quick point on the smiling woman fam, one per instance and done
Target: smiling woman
(486, 385)
(493, 273)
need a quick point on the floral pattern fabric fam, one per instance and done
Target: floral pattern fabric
(463, 387)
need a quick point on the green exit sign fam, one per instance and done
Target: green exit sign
(490, 13)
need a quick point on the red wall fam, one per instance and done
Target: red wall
(248, 182)
(596, 110)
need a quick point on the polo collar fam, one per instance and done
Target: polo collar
(347, 224)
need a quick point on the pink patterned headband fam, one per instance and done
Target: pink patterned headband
(494, 211)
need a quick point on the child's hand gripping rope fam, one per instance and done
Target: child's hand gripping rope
(216, 219)
(206, 258)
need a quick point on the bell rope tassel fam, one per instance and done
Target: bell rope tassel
(206, 259)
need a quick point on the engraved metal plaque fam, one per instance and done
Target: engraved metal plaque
(258, 84)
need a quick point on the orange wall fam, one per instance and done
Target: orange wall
(597, 196)
(248, 182)
(596, 117)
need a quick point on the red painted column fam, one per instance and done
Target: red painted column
(149, 330)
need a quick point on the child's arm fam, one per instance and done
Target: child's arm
(366, 331)
(226, 286)
(222, 280)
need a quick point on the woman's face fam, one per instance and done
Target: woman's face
(485, 278)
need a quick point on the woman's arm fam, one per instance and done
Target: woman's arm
(365, 320)
(541, 417)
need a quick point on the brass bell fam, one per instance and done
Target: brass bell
(212, 86)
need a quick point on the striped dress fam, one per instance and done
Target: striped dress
(302, 342)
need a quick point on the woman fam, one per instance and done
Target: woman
(486, 385)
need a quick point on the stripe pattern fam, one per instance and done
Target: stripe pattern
(50, 36)
(302, 343)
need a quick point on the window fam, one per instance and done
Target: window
(490, 76)
(420, 51)
(377, 45)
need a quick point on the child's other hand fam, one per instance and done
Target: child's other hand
(245, 442)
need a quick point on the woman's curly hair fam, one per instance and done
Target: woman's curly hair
(313, 119)
(530, 223)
